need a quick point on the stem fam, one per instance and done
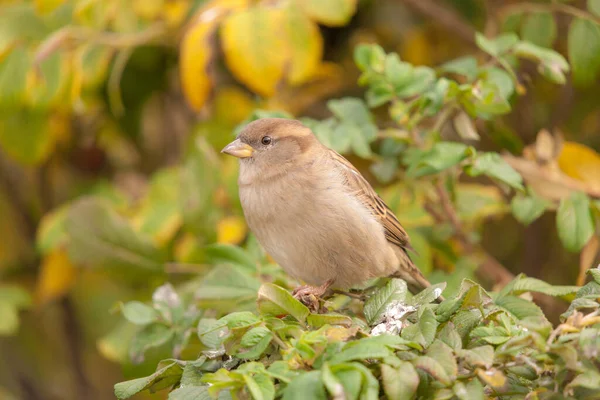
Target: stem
(114, 82)
(445, 16)
(546, 7)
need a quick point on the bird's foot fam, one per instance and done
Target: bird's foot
(310, 296)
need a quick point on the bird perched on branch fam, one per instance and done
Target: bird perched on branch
(314, 213)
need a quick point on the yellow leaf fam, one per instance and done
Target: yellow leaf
(175, 12)
(255, 48)
(57, 276)
(197, 49)
(581, 163)
(148, 9)
(231, 230)
(492, 377)
(416, 47)
(232, 105)
(195, 54)
(47, 6)
(329, 12)
(305, 44)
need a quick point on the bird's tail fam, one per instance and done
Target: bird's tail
(413, 277)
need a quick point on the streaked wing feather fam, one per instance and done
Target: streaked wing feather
(394, 232)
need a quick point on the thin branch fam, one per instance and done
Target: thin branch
(518, 8)
(10, 189)
(446, 17)
(490, 268)
(115, 99)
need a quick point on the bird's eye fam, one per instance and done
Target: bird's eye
(266, 140)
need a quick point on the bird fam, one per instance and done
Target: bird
(314, 213)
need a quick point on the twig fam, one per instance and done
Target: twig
(10, 190)
(114, 82)
(446, 17)
(73, 336)
(490, 268)
(505, 11)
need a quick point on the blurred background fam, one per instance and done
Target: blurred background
(113, 113)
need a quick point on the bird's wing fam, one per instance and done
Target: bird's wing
(358, 185)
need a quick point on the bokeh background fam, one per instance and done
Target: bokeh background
(126, 103)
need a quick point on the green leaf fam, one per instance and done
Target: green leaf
(422, 78)
(482, 356)
(9, 319)
(501, 79)
(450, 336)
(20, 22)
(527, 209)
(574, 221)
(228, 282)
(440, 157)
(255, 342)
(190, 393)
(433, 368)
(13, 76)
(307, 386)
(51, 231)
(139, 313)
(523, 284)
(167, 375)
(399, 382)
(369, 56)
(330, 12)
(192, 372)
(319, 320)
(351, 109)
(261, 386)
(218, 253)
(494, 166)
(99, 236)
(15, 296)
(584, 51)
(594, 6)
(211, 332)
(37, 142)
(540, 54)
(471, 391)
(349, 377)
(466, 66)
(396, 72)
(375, 306)
(428, 295)
(239, 319)
(275, 300)
(498, 45)
(539, 28)
(150, 336)
(519, 307)
(427, 326)
(361, 350)
(595, 273)
(332, 383)
(443, 354)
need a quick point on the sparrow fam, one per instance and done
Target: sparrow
(314, 213)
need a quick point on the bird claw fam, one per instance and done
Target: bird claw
(310, 296)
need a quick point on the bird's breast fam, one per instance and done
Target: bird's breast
(314, 228)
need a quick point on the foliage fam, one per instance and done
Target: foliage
(112, 114)
(472, 345)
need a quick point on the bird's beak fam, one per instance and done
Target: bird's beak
(238, 149)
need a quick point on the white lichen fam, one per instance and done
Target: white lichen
(391, 320)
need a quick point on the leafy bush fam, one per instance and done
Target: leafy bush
(473, 345)
(112, 114)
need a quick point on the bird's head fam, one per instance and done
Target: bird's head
(271, 142)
